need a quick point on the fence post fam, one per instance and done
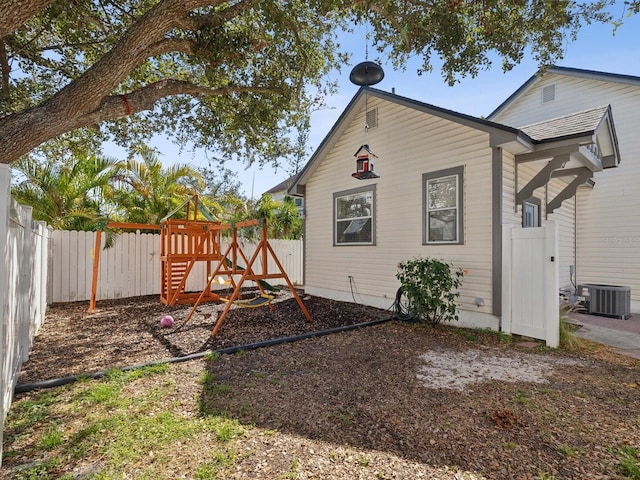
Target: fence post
(44, 265)
(552, 285)
(5, 388)
(40, 268)
(25, 287)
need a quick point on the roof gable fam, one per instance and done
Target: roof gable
(592, 128)
(565, 71)
(505, 133)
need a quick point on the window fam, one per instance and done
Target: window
(354, 216)
(442, 193)
(531, 212)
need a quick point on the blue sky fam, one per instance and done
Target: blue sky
(596, 49)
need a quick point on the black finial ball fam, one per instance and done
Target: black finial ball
(366, 73)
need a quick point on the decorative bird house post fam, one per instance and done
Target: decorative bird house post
(364, 164)
(365, 74)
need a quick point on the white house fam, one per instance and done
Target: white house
(279, 192)
(449, 185)
(607, 212)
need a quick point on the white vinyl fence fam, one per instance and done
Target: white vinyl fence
(23, 276)
(131, 267)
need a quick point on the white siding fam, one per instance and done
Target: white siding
(509, 212)
(563, 216)
(608, 216)
(408, 144)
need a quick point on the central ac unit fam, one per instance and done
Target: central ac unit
(606, 300)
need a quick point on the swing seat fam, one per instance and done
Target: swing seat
(254, 302)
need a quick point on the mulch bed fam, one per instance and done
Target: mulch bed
(362, 389)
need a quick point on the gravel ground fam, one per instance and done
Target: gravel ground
(393, 400)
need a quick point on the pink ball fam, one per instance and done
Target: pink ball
(166, 321)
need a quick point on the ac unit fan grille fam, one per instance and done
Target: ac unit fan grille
(607, 300)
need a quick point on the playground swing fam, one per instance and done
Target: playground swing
(254, 302)
(185, 242)
(228, 265)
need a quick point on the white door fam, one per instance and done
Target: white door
(530, 284)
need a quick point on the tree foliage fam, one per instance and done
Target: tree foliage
(69, 195)
(239, 77)
(146, 191)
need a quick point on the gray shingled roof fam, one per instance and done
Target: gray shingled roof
(282, 186)
(580, 123)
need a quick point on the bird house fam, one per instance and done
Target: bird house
(364, 164)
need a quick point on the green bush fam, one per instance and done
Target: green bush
(430, 287)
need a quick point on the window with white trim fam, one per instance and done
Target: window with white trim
(442, 194)
(354, 216)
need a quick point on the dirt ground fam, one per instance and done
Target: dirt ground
(432, 397)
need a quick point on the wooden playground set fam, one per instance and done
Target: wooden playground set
(187, 242)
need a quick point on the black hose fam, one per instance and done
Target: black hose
(57, 382)
(401, 312)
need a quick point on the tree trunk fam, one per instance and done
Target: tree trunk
(89, 99)
(16, 12)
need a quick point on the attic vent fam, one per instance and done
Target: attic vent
(372, 118)
(549, 93)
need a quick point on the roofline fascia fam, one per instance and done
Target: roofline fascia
(609, 119)
(463, 118)
(596, 75)
(514, 95)
(293, 189)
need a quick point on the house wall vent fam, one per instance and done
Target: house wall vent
(606, 300)
(372, 118)
(549, 93)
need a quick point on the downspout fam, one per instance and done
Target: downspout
(496, 231)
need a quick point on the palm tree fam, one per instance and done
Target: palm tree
(70, 195)
(287, 220)
(147, 192)
(282, 217)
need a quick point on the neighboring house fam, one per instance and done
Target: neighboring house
(445, 185)
(607, 213)
(279, 192)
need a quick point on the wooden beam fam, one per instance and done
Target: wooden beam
(549, 153)
(570, 190)
(541, 178)
(568, 172)
(133, 226)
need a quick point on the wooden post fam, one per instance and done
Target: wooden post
(96, 264)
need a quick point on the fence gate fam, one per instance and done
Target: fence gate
(530, 283)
